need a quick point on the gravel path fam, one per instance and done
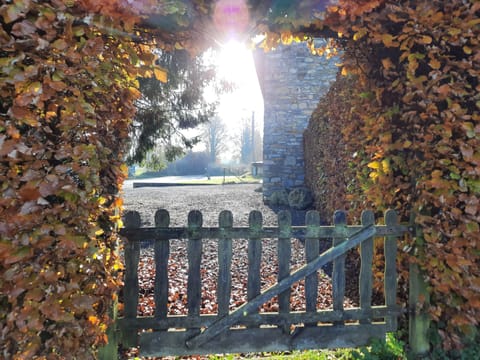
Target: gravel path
(210, 200)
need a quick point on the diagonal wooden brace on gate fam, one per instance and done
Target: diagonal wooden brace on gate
(233, 318)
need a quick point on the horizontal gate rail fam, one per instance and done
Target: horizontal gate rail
(298, 232)
(245, 328)
(294, 317)
(262, 339)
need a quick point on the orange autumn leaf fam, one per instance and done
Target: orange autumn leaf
(434, 64)
(160, 74)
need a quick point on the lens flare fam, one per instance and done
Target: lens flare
(231, 17)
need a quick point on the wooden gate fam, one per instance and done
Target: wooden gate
(246, 329)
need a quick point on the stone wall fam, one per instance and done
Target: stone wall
(292, 82)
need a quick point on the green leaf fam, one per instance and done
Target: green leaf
(474, 186)
(473, 227)
(454, 176)
(19, 254)
(470, 127)
(366, 95)
(416, 56)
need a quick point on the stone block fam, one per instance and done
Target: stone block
(278, 197)
(290, 161)
(300, 198)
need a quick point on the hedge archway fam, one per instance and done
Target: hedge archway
(68, 86)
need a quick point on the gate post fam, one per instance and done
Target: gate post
(419, 321)
(110, 350)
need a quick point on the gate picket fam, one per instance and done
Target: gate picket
(312, 249)
(284, 250)
(366, 276)
(255, 221)
(132, 256)
(162, 252)
(338, 273)
(194, 254)
(224, 285)
(390, 282)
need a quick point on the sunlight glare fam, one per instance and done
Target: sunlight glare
(234, 63)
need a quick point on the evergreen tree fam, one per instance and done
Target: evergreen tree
(166, 110)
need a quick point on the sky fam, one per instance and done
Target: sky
(235, 64)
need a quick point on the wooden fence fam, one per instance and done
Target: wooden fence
(245, 329)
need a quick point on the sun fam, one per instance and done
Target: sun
(235, 63)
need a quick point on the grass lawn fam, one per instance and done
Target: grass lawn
(219, 180)
(143, 174)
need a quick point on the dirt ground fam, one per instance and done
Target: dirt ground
(210, 200)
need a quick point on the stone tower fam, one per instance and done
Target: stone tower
(292, 82)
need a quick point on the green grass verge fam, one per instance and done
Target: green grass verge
(219, 180)
(390, 349)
